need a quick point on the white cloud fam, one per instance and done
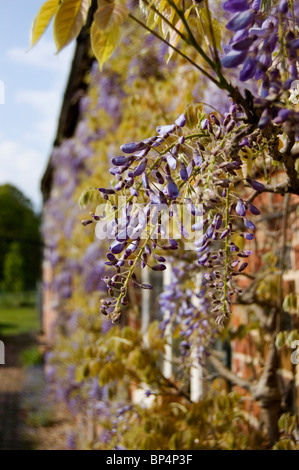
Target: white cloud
(46, 104)
(42, 56)
(42, 132)
(23, 167)
(23, 160)
(45, 101)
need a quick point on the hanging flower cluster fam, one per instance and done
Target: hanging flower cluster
(185, 306)
(265, 44)
(177, 168)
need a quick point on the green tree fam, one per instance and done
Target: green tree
(13, 269)
(19, 223)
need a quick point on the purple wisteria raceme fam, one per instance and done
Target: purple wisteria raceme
(264, 45)
(174, 168)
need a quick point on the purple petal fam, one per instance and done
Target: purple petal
(190, 168)
(181, 120)
(283, 6)
(159, 258)
(256, 5)
(173, 243)
(159, 267)
(119, 186)
(204, 124)
(159, 177)
(203, 258)
(255, 184)
(145, 181)
(249, 224)
(242, 267)
(254, 210)
(133, 147)
(234, 247)
(224, 234)
(217, 221)
(116, 247)
(235, 263)
(119, 161)
(171, 161)
(111, 257)
(248, 69)
(134, 192)
(240, 208)
(172, 189)
(183, 172)
(294, 44)
(201, 241)
(197, 226)
(243, 44)
(233, 58)
(197, 158)
(241, 20)
(235, 5)
(146, 286)
(203, 247)
(141, 167)
(245, 253)
(168, 129)
(106, 191)
(249, 236)
(210, 231)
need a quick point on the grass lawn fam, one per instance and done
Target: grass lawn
(18, 320)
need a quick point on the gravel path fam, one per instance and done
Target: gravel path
(29, 418)
(12, 380)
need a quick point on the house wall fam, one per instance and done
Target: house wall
(49, 313)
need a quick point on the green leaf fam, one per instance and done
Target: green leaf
(287, 422)
(290, 303)
(292, 336)
(110, 15)
(86, 196)
(169, 14)
(42, 20)
(280, 339)
(69, 20)
(204, 30)
(104, 43)
(174, 37)
(153, 19)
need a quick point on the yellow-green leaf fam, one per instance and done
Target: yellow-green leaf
(152, 20)
(280, 339)
(42, 20)
(204, 30)
(169, 14)
(69, 20)
(217, 33)
(104, 43)
(110, 15)
(175, 37)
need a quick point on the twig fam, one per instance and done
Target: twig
(228, 374)
(134, 18)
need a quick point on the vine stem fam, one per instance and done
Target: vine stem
(286, 201)
(192, 39)
(226, 250)
(172, 26)
(216, 55)
(131, 270)
(198, 67)
(157, 160)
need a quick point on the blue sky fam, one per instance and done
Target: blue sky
(34, 82)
